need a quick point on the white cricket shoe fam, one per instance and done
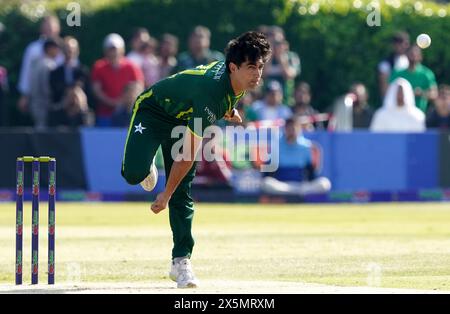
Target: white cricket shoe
(181, 272)
(150, 181)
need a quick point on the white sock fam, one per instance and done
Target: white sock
(178, 259)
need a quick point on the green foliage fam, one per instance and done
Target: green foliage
(335, 44)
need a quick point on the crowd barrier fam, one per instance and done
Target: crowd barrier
(89, 161)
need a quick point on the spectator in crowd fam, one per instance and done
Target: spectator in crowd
(109, 77)
(40, 92)
(420, 77)
(265, 29)
(70, 73)
(396, 61)
(362, 111)
(352, 111)
(284, 65)
(302, 106)
(122, 116)
(274, 33)
(272, 108)
(3, 90)
(439, 117)
(150, 62)
(74, 112)
(296, 173)
(49, 29)
(140, 36)
(399, 112)
(215, 167)
(168, 51)
(245, 108)
(199, 50)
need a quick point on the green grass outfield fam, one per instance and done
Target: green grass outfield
(386, 245)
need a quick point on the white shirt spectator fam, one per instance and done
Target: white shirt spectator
(399, 112)
(40, 93)
(34, 51)
(136, 58)
(266, 112)
(401, 62)
(272, 107)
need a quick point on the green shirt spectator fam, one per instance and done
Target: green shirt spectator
(199, 52)
(420, 77)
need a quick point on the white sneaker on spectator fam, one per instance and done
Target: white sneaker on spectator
(181, 272)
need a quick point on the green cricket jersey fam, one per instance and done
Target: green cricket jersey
(204, 92)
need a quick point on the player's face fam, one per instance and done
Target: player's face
(249, 74)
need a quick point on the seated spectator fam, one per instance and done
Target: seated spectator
(213, 172)
(420, 77)
(396, 61)
(122, 116)
(49, 29)
(75, 111)
(302, 106)
(150, 62)
(168, 50)
(109, 77)
(245, 109)
(70, 73)
(296, 174)
(272, 108)
(199, 50)
(40, 92)
(439, 118)
(352, 111)
(362, 111)
(399, 112)
(284, 65)
(140, 36)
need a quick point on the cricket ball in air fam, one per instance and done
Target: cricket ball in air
(423, 41)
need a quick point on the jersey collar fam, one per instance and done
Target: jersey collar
(232, 99)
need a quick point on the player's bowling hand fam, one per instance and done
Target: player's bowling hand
(233, 116)
(160, 203)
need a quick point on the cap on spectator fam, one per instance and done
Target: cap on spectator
(273, 86)
(113, 40)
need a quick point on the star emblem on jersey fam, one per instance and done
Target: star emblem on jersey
(139, 128)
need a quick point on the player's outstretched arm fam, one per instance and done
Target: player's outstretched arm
(180, 168)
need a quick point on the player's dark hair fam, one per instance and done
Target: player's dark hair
(250, 47)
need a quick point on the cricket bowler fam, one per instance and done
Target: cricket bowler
(206, 93)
